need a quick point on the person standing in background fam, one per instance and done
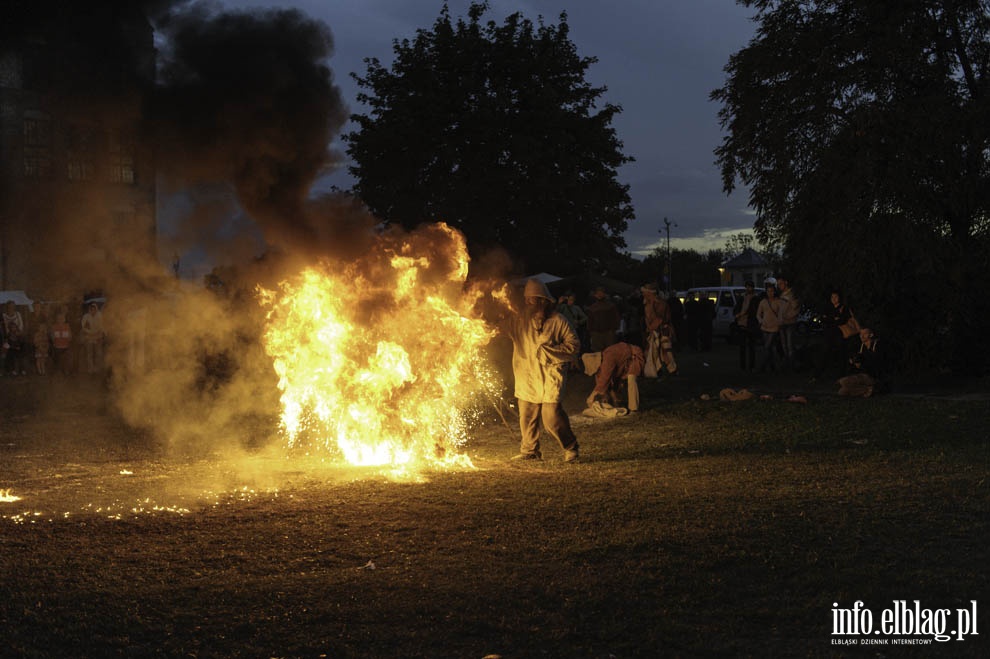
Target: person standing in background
(92, 336)
(13, 339)
(747, 327)
(603, 321)
(768, 315)
(790, 308)
(62, 344)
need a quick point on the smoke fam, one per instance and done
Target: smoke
(237, 110)
(246, 99)
(238, 115)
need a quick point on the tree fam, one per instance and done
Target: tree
(493, 130)
(689, 267)
(860, 129)
(738, 243)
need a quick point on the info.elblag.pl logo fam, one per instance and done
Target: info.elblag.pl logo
(901, 624)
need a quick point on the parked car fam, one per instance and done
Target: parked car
(808, 322)
(724, 298)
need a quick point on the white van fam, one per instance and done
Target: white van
(724, 298)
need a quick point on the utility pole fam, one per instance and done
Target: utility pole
(670, 282)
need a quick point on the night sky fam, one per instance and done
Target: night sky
(660, 59)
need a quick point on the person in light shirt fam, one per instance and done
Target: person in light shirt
(92, 335)
(768, 315)
(790, 307)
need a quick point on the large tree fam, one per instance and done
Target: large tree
(494, 130)
(861, 130)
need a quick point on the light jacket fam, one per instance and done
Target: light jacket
(767, 314)
(540, 359)
(790, 307)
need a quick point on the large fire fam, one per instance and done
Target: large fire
(379, 360)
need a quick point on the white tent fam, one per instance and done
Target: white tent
(544, 277)
(17, 297)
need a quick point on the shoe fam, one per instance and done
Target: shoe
(528, 456)
(571, 454)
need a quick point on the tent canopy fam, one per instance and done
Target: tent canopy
(19, 298)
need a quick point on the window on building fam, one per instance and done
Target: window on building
(122, 158)
(37, 67)
(37, 147)
(80, 153)
(123, 219)
(10, 70)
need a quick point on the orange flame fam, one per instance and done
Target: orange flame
(380, 360)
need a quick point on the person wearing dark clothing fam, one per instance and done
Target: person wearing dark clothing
(871, 372)
(747, 327)
(633, 320)
(835, 349)
(692, 311)
(676, 315)
(603, 321)
(706, 315)
(13, 339)
(569, 309)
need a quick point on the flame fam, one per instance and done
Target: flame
(380, 360)
(7, 497)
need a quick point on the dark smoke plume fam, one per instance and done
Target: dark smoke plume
(238, 111)
(247, 99)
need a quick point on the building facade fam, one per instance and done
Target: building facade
(77, 181)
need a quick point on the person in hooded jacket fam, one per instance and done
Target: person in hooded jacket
(544, 344)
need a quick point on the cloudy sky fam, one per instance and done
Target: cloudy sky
(659, 59)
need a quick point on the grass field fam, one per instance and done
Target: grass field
(694, 528)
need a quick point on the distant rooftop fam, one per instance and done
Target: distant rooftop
(747, 259)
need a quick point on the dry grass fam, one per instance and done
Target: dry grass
(691, 529)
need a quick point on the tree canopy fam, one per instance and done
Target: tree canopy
(494, 130)
(860, 129)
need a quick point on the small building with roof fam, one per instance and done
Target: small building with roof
(748, 265)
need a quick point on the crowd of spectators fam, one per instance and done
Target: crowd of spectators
(51, 340)
(849, 351)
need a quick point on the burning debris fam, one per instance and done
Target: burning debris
(7, 497)
(380, 359)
